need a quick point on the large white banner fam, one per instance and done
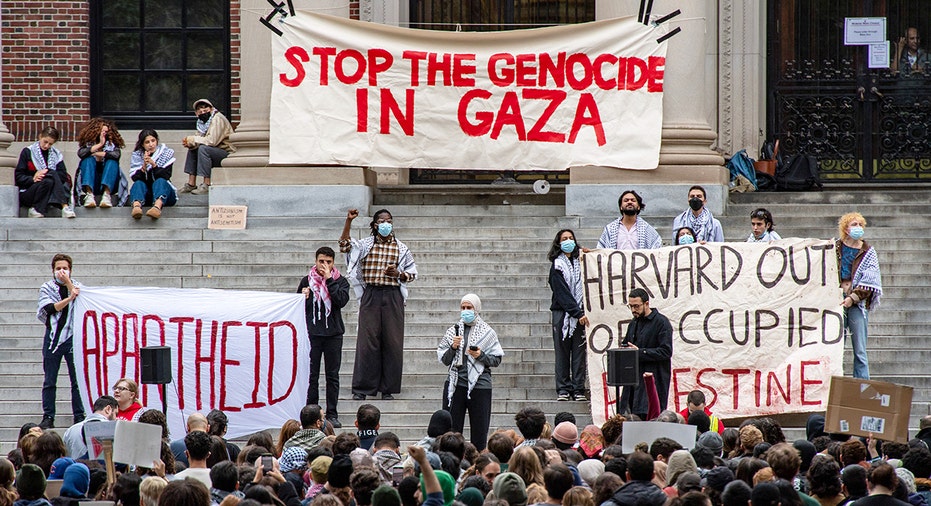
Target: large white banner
(347, 92)
(758, 328)
(245, 353)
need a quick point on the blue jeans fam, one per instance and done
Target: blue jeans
(108, 174)
(51, 363)
(161, 189)
(856, 320)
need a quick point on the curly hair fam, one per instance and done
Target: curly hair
(844, 222)
(824, 477)
(90, 133)
(852, 452)
(612, 428)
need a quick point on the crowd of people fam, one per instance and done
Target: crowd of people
(537, 461)
(44, 181)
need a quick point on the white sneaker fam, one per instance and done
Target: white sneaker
(202, 189)
(105, 202)
(35, 214)
(67, 212)
(89, 201)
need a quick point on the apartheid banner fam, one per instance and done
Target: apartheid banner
(347, 92)
(245, 353)
(758, 328)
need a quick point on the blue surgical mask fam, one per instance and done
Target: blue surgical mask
(686, 239)
(856, 233)
(384, 229)
(467, 315)
(567, 246)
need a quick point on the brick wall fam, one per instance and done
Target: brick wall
(354, 9)
(46, 59)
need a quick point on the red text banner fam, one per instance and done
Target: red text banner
(758, 328)
(347, 92)
(245, 353)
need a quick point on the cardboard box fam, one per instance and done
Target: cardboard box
(861, 407)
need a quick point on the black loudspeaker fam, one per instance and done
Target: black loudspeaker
(623, 367)
(156, 364)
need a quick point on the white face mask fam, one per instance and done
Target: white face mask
(66, 273)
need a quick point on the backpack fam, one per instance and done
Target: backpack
(798, 173)
(742, 165)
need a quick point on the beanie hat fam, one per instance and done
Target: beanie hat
(292, 458)
(361, 458)
(718, 478)
(320, 467)
(386, 495)
(57, 471)
(566, 433)
(711, 440)
(471, 496)
(473, 299)
(807, 452)
(590, 470)
(510, 487)
(447, 483)
(688, 482)
(77, 481)
(434, 461)
(339, 471)
(30, 484)
(440, 423)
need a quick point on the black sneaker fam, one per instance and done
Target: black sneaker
(47, 423)
(387, 397)
(334, 422)
(79, 418)
(358, 397)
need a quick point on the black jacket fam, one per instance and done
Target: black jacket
(562, 295)
(653, 337)
(637, 493)
(339, 297)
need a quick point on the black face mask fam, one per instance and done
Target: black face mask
(204, 117)
(630, 212)
(695, 203)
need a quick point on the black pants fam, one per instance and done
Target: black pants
(380, 343)
(50, 191)
(330, 350)
(51, 363)
(571, 357)
(479, 408)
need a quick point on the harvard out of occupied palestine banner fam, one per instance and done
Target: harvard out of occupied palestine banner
(758, 328)
(353, 93)
(244, 353)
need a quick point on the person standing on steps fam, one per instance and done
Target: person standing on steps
(207, 148)
(56, 312)
(861, 281)
(569, 320)
(630, 231)
(326, 293)
(650, 333)
(699, 218)
(470, 348)
(380, 267)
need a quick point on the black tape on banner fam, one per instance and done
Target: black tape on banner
(668, 35)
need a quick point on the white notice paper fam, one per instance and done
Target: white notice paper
(879, 55)
(863, 31)
(137, 444)
(637, 432)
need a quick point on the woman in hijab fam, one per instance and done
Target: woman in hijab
(470, 349)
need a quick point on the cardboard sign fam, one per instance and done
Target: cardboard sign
(94, 435)
(227, 217)
(637, 432)
(347, 92)
(137, 444)
(863, 407)
(756, 327)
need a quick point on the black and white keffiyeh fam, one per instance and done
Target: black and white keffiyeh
(571, 271)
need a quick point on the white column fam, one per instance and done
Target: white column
(742, 70)
(9, 195)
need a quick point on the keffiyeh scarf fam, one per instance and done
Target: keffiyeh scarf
(868, 276)
(697, 223)
(481, 335)
(203, 126)
(163, 157)
(54, 156)
(572, 272)
(322, 303)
